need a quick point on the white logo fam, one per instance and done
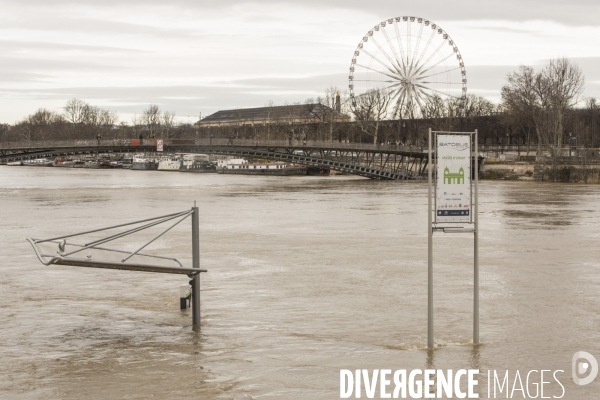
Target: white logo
(580, 367)
(455, 146)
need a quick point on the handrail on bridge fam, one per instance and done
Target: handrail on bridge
(284, 143)
(207, 142)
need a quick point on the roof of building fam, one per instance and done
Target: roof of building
(273, 114)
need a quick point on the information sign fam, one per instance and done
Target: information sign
(159, 145)
(453, 184)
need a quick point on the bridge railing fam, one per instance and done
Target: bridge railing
(56, 144)
(204, 142)
(299, 144)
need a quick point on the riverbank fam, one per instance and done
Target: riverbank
(575, 169)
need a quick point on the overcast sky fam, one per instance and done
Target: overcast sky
(196, 56)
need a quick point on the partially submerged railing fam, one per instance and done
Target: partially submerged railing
(62, 250)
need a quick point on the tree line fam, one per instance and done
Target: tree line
(80, 120)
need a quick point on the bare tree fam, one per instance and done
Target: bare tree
(108, 118)
(25, 130)
(317, 114)
(469, 106)
(592, 116)
(520, 100)
(270, 117)
(91, 121)
(151, 119)
(75, 111)
(323, 112)
(545, 98)
(41, 125)
(168, 118)
(434, 107)
(370, 109)
(332, 96)
(275, 121)
(293, 125)
(558, 87)
(137, 123)
(88, 120)
(239, 125)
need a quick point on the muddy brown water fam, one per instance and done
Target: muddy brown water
(306, 276)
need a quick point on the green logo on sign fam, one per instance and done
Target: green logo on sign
(454, 178)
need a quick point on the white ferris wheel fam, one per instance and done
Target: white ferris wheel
(410, 59)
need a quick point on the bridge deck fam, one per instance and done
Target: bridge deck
(373, 161)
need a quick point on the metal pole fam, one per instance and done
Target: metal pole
(476, 252)
(196, 264)
(429, 258)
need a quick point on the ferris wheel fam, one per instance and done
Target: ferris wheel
(410, 60)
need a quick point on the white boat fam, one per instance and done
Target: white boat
(169, 163)
(68, 163)
(127, 161)
(191, 159)
(140, 162)
(231, 163)
(199, 163)
(243, 167)
(39, 162)
(15, 163)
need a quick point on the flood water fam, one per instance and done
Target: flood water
(306, 276)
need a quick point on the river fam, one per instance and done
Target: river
(306, 276)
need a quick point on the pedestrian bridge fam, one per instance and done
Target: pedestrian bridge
(372, 161)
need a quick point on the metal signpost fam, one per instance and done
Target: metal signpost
(453, 208)
(195, 282)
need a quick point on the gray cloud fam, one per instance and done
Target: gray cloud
(61, 21)
(16, 46)
(31, 64)
(488, 77)
(590, 66)
(517, 31)
(20, 76)
(575, 12)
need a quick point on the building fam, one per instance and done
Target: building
(299, 113)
